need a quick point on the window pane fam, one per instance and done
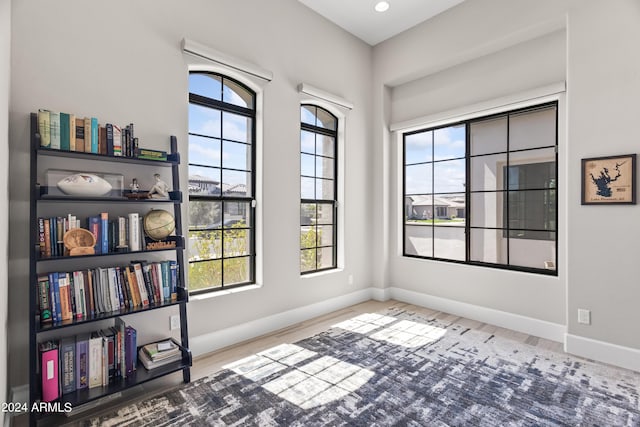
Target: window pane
(204, 214)
(418, 179)
(449, 242)
(532, 129)
(325, 235)
(308, 114)
(237, 242)
(307, 188)
(532, 210)
(236, 156)
(325, 213)
(418, 148)
(237, 270)
(204, 181)
(324, 167)
(205, 85)
(533, 169)
(532, 253)
(488, 246)
(325, 145)
(308, 237)
(307, 142)
(235, 94)
(418, 239)
(204, 245)
(324, 189)
(487, 172)
(307, 213)
(325, 258)
(449, 176)
(488, 136)
(204, 151)
(237, 214)
(449, 143)
(205, 121)
(307, 165)
(236, 127)
(307, 260)
(204, 275)
(325, 119)
(236, 183)
(486, 209)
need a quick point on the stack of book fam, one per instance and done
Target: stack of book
(159, 354)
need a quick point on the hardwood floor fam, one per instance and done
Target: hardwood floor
(212, 362)
(207, 364)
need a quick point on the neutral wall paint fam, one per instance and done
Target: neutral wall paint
(5, 69)
(121, 61)
(598, 261)
(453, 70)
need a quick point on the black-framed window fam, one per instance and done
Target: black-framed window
(221, 247)
(318, 189)
(484, 191)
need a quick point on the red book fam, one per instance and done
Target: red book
(49, 371)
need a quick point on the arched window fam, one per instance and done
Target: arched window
(221, 247)
(318, 189)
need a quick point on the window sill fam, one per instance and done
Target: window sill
(216, 294)
(321, 273)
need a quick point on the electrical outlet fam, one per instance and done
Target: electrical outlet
(174, 322)
(584, 316)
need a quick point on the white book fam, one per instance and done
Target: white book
(113, 288)
(122, 232)
(78, 290)
(104, 289)
(134, 231)
(55, 129)
(137, 268)
(95, 361)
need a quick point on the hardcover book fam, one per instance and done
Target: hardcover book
(68, 361)
(49, 371)
(44, 128)
(80, 144)
(65, 141)
(82, 361)
(54, 118)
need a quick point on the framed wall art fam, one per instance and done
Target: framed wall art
(609, 180)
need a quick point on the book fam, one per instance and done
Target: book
(80, 144)
(110, 342)
(49, 371)
(87, 134)
(72, 132)
(94, 136)
(117, 141)
(44, 128)
(104, 232)
(93, 225)
(134, 231)
(161, 350)
(44, 300)
(102, 140)
(47, 237)
(144, 295)
(120, 327)
(133, 286)
(109, 139)
(82, 361)
(150, 364)
(54, 121)
(65, 299)
(131, 355)
(65, 127)
(68, 364)
(173, 268)
(95, 360)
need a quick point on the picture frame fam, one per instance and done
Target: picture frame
(609, 180)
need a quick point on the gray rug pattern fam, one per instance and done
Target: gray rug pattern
(398, 368)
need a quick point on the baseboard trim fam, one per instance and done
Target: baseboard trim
(613, 354)
(213, 341)
(381, 295)
(516, 322)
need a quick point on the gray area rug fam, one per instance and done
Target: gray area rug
(398, 368)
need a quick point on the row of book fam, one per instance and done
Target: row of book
(87, 360)
(84, 294)
(64, 131)
(157, 354)
(123, 234)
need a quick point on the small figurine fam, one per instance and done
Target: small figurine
(160, 189)
(134, 185)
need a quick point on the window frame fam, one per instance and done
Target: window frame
(467, 192)
(333, 133)
(250, 113)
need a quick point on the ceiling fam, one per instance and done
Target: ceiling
(360, 19)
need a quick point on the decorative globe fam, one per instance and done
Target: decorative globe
(158, 224)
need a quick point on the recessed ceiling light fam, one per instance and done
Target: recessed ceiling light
(382, 6)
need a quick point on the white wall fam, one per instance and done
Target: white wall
(5, 59)
(460, 57)
(121, 61)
